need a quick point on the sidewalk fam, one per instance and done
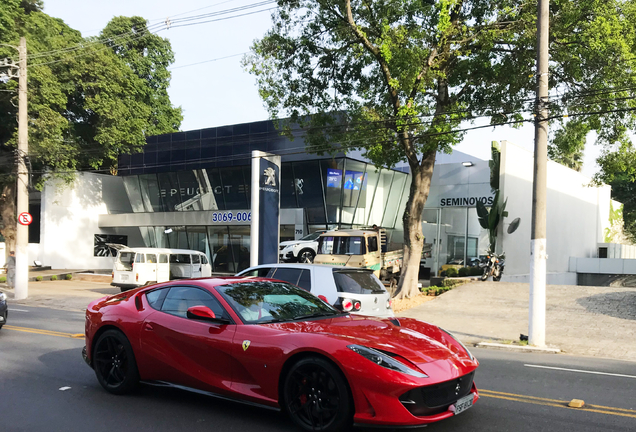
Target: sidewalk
(73, 295)
(580, 320)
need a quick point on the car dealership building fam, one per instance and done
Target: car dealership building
(191, 190)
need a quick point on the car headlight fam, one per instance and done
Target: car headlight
(459, 342)
(385, 360)
(3, 297)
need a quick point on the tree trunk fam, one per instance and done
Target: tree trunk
(8, 216)
(413, 238)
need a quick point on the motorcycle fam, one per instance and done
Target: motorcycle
(493, 266)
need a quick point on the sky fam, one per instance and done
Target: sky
(208, 81)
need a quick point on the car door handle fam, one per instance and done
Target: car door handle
(148, 327)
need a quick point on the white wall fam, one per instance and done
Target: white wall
(576, 212)
(69, 220)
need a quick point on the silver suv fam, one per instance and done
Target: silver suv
(302, 250)
(349, 289)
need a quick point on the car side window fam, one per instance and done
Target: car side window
(163, 259)
(259, 272)
(287, 274)
(305, 280)
(151, 258)
(180, 299)
(204, 259)
(373, 244)
(155, 298)
(139, 258)
(196, 259)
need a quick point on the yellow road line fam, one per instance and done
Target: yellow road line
(45, 332)
(622, 412)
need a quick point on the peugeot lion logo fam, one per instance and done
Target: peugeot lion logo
(270, 174)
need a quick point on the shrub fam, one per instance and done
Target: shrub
(69, 276)
(451, 272)
(476, 271)
(3, 278)
(53, 277)
(38, 278)
(463, 272)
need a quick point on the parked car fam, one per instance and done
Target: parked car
(135, 267)
(301, 250)
(348, 289)
(4, 309)
(276, 345)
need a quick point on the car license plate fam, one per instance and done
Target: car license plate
(463, 404)
(124, 277)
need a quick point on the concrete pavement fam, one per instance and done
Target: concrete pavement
(580, 320)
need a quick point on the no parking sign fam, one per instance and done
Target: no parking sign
(25, 218)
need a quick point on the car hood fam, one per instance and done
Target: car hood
(417, 341)
(293, 242)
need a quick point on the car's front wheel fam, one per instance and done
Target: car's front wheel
(114, 363)
(306, 256)
(316, 396)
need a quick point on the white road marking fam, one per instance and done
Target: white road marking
(64, 388)
(17, 310)
(581, 371)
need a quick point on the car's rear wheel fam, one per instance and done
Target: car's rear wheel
(114, 363)
(316, 396)
(306, 256)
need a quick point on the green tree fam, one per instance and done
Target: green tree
(90, 99)
(396, 78)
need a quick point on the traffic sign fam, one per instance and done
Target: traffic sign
(25, 218)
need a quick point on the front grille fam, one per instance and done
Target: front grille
(434, 399)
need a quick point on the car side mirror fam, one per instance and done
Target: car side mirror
(204, 313)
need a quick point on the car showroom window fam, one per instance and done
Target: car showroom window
(155, 298)
(180, 299)
(358, 282)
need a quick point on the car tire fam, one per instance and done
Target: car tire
(114, 363)
(316, 396)
(306, 256)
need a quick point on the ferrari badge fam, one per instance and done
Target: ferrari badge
(246, 345)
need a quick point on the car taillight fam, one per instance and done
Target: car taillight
(388, 304)
(112, 275)
(347, 305)
(137, 277)
(357, 305)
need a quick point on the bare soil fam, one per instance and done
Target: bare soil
(404, 304)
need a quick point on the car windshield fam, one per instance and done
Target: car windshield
(312, 236)
(341, 245)
(267, 302)
(358, 282)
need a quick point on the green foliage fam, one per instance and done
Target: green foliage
(38, 278)
(475, 271)
(53, 277)
(3, 279)
(451, 272)
(69, 276)
(90, 99)
(463, 272)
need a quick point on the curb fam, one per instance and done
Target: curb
(518, 348)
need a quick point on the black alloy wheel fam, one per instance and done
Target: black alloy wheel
(306, 256)
(316, 396)
(114, 363)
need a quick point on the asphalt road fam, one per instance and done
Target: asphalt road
(45, 386)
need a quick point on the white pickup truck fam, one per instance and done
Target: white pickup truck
(362, 249)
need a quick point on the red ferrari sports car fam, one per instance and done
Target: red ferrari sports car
(270, 343)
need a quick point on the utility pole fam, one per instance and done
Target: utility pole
(22, 231)
(538, 256)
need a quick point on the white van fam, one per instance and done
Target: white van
(136, 267)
